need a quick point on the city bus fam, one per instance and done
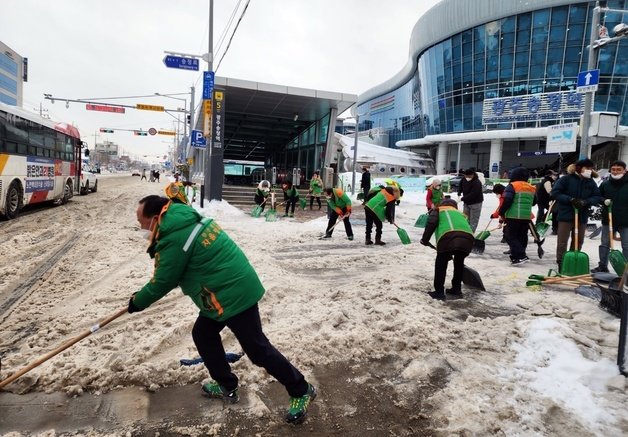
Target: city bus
(39, 160)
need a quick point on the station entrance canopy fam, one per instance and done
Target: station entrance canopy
(261, 119)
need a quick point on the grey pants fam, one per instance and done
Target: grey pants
(473, 214)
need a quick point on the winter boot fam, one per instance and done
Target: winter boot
(298, 406)
(437, 295)
(454, 292)
(379, 242)
(214, 390)
(368, 241)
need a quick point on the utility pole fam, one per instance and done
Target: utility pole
(355, 155)
(209, 191)
(585, 150)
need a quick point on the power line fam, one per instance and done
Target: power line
(233, 34)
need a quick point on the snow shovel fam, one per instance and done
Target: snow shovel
(479, 242)
(471, 278)
(231, 357)
(340, 218)
(541, 228)
(257, 211)
(615, 257)
(302, 203)
(271, 215)
(403, 235)
(540, 252)
(575, 262)
(421, 221)
(63, 347)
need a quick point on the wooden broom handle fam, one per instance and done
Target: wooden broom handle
(63, 347)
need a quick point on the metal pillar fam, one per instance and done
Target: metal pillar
(441, 158)
(585, 148)
(355, 152)
(495, 158)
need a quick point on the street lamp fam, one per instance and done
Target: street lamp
(599, 38)
(185, 110)
(355, 151)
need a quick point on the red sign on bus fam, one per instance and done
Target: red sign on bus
(104, 108)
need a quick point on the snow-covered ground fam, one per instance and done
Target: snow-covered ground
(517, 361)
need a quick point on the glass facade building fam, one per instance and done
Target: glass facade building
(537, 51)
(11, 76)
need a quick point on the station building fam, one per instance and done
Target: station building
(485, 78)
(13, 74)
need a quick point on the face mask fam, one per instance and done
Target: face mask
(554, 178)
(147, 233)
(617, 176)
(586, 174)
(468, 179)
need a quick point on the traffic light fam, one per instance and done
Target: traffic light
(140, 133)
(105, 130)
(189, 118)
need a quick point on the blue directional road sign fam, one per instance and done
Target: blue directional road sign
(587, 81)
(181, 63)
(208, 84)
(198, 140)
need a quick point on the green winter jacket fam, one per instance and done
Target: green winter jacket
(382, 203)
(339, 201)
(316, 186)
(291, 194)
(196, 254)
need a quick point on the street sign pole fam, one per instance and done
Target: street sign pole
(585, 150)
(211, 191)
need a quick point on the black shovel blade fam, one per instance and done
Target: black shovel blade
(540, 252)
(471, 278)
(478, 246)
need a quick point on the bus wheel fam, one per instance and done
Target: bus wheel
(14, 200)
(67, 193)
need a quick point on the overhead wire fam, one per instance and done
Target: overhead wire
(233, 34)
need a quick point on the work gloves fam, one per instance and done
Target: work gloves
(132, 307)
(495, 215)
(579, 203)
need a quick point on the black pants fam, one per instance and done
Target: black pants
(371, 218)
(333, 217)
(259, 200)
(292, 202)
(517, 237)
(440, 270)
(247, 328)
(318, 199)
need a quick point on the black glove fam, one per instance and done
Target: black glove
(578, 203)
(132, 307)
(425, 243)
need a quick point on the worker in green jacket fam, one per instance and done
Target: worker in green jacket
(454, 241)
(380, 206)
(290, 197)
(194, 253)
(339, 206)
(316, 188)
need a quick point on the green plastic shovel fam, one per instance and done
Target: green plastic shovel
(421, 222)
(403, 235)
(541, 228)
(575, 262)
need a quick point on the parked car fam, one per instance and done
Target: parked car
(135, 172)
(89, 180)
